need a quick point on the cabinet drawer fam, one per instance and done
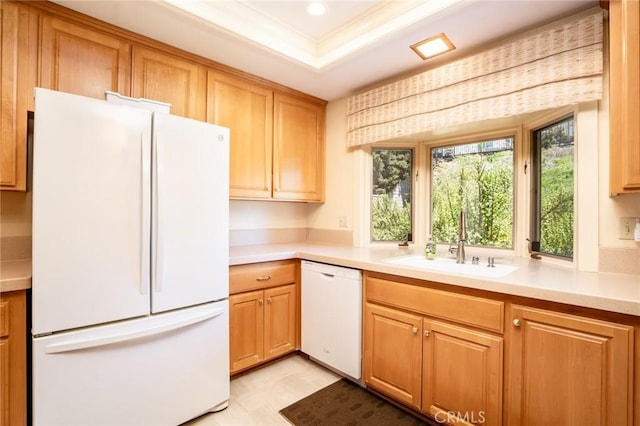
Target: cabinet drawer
(475, 311)
(255, 276)
(4, 319)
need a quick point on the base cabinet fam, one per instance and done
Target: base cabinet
(263, 313)
(13, 355)
(263, 326)
(449, 371)
(461, 374)
(568, 370)
(393, 353)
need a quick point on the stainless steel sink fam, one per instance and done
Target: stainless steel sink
(450, 266)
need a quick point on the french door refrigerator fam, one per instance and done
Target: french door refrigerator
(130, 264)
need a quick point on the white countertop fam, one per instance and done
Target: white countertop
(533, 278)
(15, 275)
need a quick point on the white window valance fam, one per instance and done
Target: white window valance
(557, 65)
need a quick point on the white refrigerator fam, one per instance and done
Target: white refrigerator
(130, 320)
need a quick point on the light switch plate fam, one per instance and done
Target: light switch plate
(627, 225)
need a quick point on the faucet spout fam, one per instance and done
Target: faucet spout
(462, 238)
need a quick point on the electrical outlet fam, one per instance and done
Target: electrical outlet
(342, 222)
(627, 226)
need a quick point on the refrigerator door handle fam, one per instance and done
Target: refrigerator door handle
(145, 187)
(157, 206)
(117, 337)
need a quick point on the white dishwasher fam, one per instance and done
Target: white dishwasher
(332, 316)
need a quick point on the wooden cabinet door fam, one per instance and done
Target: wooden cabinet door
(13, 355)
(247, 110)
(166, 78)
(567, 370)
(16, 91)
(393, 353)
(298, 157)
(246, 325)
(624, 95)
(462, 374)
(280, 320)
(82, 61)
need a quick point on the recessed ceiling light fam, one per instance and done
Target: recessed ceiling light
(316, 8)
(433, 46)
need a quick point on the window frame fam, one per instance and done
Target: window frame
(588, 133)
(535, 208)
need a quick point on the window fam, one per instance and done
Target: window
(391, 214)
(476, 178)
(552, 189)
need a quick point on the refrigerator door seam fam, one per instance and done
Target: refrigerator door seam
(159, 245)
(117, 337)
(144, 210)
(157, 227)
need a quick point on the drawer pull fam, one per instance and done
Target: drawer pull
(516, 322)
(263, 278)
(426, 333)
(414, 330)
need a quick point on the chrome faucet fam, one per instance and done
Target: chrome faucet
(462, 237)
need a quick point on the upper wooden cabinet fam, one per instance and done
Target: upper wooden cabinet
(298, 155)
(18, 28)
(568, 370)
(624, 96)
(247, 110)
(277, 134)
(167, 78)
(82, 61)
(277, 140)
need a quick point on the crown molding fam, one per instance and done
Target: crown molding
(241, 19)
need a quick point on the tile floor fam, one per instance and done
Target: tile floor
(257, 397)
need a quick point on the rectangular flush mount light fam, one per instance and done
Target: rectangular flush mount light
(433, 46)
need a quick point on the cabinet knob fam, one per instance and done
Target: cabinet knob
(414, 330)
(426, 333)
(269, 300)
(260, 302)
(263, 278)
(516, 322)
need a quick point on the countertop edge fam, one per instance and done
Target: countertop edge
(583, 289)
(15, 275)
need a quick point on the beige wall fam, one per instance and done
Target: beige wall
(339, 181)
(15, 214)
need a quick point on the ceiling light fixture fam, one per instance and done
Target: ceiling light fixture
(433, 46)
(316, 8)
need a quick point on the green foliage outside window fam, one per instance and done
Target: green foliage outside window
(391, 195)
(478, 179)
(555, 198)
